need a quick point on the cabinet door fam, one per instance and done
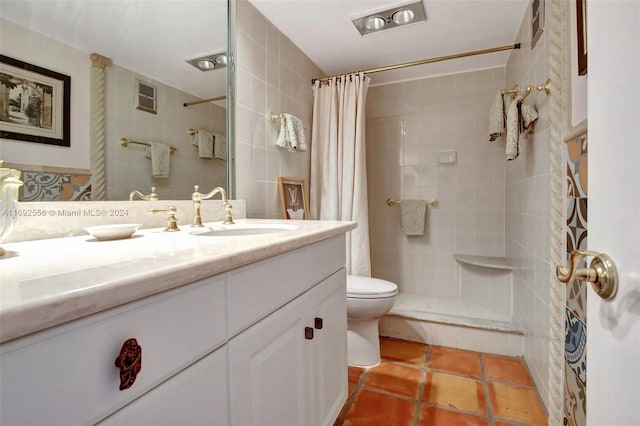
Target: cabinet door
(329, 353)
(197, 396)
(269, 381)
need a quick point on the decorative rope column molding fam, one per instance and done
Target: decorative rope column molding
(98, 130)
(559, 68)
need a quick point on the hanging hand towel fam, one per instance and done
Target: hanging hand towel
(513, 130)
(219, 146)
(520, 117)
(413, 214)
(160, 156)
(291, 134)
(528, 115)
(204, 141)
(497, 115)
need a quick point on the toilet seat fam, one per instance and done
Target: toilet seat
(369, 288)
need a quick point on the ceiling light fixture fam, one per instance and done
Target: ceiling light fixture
(209, 62)
(403, 16)
(390, 18)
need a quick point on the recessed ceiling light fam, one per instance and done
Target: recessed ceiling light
(403, 16)
(209, 62)
(206, 64)
(390, 18)
(374, 23)
(221, 59)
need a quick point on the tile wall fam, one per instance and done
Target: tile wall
(272, 75)
(128, 169)
(527, 204)
(407, 124)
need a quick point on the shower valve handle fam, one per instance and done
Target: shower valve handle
(601, 273)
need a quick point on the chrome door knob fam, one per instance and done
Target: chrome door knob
(601, 273)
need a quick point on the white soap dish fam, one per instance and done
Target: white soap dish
(113, 232)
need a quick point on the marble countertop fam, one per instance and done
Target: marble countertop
(45, 283)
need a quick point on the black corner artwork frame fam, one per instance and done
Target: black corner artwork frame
(35, 103)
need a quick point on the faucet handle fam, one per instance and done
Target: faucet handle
(153, 196)
(172, 221)
(196, 195)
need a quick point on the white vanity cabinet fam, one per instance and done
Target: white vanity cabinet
(290, 367)
(262, 344)
(197, 396)
(67, 375)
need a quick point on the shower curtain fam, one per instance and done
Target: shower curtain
(338, 162)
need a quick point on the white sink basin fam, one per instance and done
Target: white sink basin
(239, 230)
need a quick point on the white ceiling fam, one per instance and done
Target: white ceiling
(323, 30)
(154, 37)
(151, 37)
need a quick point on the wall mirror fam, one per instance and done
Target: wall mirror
(174, 50)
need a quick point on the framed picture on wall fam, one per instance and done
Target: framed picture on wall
(537, 21)
(581, 18)
(35, 103)
(294, 198)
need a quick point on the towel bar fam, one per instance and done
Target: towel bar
(272, 117)
(392, 202)
(127, 141)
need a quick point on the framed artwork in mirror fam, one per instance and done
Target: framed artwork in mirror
(537, 21)
(294, 198)
(581, 18)
(35, 103)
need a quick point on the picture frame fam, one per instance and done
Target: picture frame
(35, 103)
(581, 21)
(294, 198)
(537, 21)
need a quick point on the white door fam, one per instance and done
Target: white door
(613, 352)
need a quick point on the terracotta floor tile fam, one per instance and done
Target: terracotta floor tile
(351, 388)
(354, 373)
(435, 416)
(375, 409)
(455, 360)
(395, 378)
(506, 369)
(403, 351)
(516, 403)
(455, 391)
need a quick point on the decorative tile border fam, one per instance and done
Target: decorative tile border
(41, 186)
(575, 389)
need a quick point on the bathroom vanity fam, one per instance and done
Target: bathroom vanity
(232, 330)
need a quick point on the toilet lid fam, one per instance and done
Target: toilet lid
(369, 287)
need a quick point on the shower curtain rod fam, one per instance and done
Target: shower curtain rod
(427, 61)
(204, 101)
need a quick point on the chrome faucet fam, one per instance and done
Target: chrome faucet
(151, 197)
(197, 198)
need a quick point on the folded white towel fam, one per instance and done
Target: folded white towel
(160, 155)
(497, 115)
(219, 146)
(291, 134)
(204, 141)
(413, 214)
(520, 117)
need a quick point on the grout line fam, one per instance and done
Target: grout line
(485, 386)
(347, 405)
(423, 383)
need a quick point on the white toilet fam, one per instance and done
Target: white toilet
(368, 299)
